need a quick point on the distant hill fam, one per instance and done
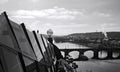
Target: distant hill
(87, 36)
(112, 35)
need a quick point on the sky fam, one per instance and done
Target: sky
(64, 16)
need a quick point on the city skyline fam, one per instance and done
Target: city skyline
(64, 16)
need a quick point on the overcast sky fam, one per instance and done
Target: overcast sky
(64, 16)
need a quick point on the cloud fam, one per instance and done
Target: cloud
(53, 13)
(72, 25)
(27, 17)
(3, 1)
(108, 26)
(103, 14)
(34, 0)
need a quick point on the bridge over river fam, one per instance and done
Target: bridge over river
(96, 53)
(100, 60)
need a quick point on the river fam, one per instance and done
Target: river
(70, 45)
(91, 65)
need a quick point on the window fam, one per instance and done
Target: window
(1, 63)
(12, 61)
(22, 40)
(48, 50)
(35, 46)
(30, 65)
(1, 68)
(44, 51)
(6, 35)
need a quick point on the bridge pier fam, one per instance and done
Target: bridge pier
(109, 54)
(66, 52)
(95, 54)
(81, 52)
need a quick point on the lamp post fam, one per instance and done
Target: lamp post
(50, 33)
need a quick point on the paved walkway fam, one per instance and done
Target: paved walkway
(99, 66)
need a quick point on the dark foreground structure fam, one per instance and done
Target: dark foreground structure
(24, 51)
